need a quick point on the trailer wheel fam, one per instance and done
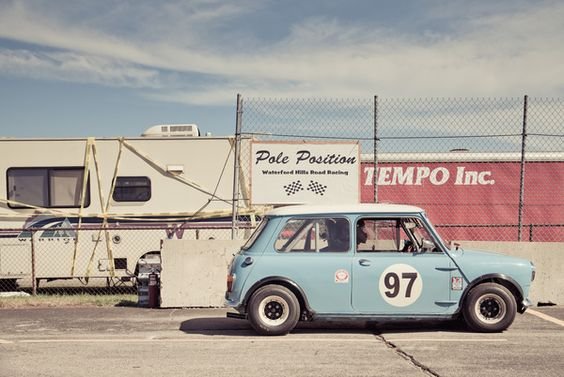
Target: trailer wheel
(273, 310)
(489, 307)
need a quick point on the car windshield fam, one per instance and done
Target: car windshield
(430, 228)
(419, 232)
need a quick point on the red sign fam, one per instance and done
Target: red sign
(476, 200)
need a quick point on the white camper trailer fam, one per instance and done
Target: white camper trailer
(65, 204)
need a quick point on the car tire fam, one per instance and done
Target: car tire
(273, 310)
(489, 307)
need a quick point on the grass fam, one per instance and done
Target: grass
(76, 300)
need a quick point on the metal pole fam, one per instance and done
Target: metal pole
(375, 158)
(236, 166)
(33, 281)
(522, 182)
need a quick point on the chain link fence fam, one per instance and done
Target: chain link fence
(488, 169)
(93, 259)
(483, 169)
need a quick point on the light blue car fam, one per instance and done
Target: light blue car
(368, 262)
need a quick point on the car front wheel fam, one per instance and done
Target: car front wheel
(489, 307)
(273, 310)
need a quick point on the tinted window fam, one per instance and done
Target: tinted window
(132, 189)
(47, 187)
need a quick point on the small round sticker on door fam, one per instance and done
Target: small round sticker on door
(341, 276)
(400, 285)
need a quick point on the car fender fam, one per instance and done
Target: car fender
(286, 282)
(502, 279)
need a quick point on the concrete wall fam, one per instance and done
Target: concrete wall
(548, 258)
(194, 271)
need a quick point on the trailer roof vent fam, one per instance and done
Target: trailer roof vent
(172, 130)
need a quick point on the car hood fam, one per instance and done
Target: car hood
(476, 263)
(485, 256)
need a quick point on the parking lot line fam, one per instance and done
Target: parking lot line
(288, 339)
(194, 340)
(546, 317)
(476, 340)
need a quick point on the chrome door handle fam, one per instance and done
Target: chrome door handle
(364, 262)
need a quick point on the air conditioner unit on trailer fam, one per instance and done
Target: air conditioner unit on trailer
(172, 130)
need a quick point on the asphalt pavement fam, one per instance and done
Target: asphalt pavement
(126, 341)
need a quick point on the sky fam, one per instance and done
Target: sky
(78, 68)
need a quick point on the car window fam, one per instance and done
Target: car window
(132, 189)
(255, 234)
(379, 235)
(392, 235)
(326, 234)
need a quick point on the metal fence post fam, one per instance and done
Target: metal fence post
(236, 165)
(375, 153)
(522, 179)
(33, 280)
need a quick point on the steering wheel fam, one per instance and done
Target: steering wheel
(407, 247)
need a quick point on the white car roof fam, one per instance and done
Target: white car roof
(311, 209)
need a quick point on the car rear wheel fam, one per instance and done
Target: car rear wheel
(489, 307)
(273, 310)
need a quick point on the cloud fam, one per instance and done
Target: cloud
(79, 68)
(179, 51)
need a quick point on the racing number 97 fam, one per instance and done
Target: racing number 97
(392, 282)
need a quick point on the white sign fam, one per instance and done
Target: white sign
(285, 173)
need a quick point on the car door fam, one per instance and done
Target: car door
(392, 276)
(307, 251)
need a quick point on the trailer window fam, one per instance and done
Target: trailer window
(47, 187)
(132, 189)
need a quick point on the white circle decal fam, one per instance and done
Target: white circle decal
(400, 285)
(341, 276)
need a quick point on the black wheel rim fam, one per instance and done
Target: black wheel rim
(273, 310)
(490, 308)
